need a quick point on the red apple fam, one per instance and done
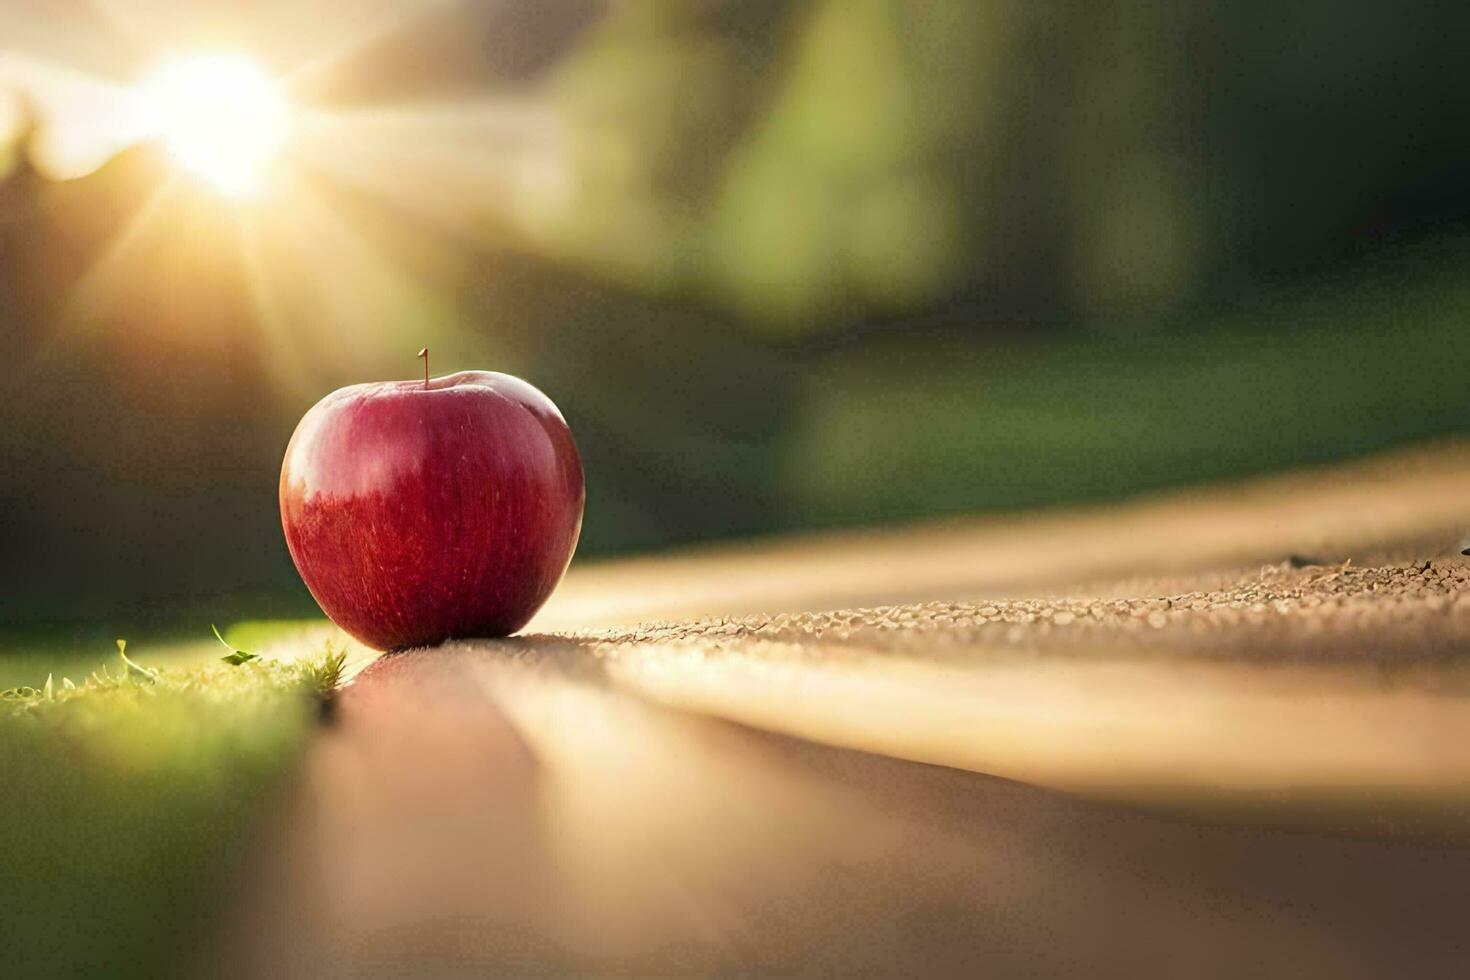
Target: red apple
(420, 511)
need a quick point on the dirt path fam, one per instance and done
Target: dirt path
(1324, 698)
(1400, 505)
(1218, 761)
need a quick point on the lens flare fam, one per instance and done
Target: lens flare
(220, 116)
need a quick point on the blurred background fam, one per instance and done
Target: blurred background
(783, 265)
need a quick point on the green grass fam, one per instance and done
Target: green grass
(128, 793)
(32, 661)
(28, 656)
(1334, 366)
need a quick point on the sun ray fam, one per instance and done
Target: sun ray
(393, 17)
(95, 292)
(283, 354)
(359, 313)
(117, 261)
(463, 167)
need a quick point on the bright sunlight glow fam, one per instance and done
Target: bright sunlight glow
(220, 116)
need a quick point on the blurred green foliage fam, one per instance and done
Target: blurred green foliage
(1369, 357)
(810, 164)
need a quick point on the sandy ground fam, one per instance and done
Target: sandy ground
(1211, 733)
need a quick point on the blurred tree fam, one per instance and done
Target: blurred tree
(854, 159)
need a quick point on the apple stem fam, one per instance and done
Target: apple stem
(425, 355)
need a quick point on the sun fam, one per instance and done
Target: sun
(221, 117)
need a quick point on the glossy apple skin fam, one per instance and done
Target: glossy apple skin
(417, 515)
